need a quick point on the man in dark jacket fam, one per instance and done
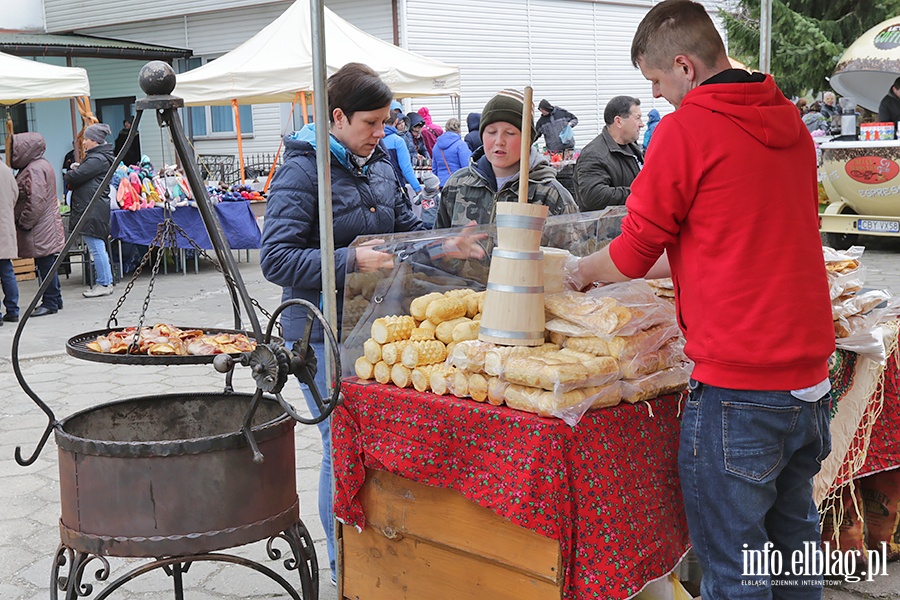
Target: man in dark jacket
(607, 166)
(552, 122)
(133, 156)
(889, 109)
(473, 138)
(85, 178)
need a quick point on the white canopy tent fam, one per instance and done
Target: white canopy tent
(26, 80)
(867, 69)
(277, 63)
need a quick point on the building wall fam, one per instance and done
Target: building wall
(575, 53)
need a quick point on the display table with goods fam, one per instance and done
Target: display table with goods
(865, 380)
(140, 226)
(467, 469)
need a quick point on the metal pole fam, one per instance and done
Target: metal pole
(326, 226)
(765, 35)
(323, 166)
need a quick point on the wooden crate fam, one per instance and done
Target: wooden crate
(24, 269)
(429, 543)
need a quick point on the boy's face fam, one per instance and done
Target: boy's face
(502, 147)
(673, 82)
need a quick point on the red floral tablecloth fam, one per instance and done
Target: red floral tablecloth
(884, 445)
(607, 489)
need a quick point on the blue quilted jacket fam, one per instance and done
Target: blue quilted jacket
(365, 201)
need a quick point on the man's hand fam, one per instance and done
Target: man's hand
(465, 245)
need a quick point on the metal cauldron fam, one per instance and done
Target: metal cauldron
(172, 475)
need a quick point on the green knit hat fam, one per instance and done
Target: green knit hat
(506, 106)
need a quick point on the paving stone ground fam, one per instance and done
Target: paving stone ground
(29, 496)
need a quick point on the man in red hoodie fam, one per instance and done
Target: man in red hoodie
(731, 203)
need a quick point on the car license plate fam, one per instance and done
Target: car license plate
(878, 225)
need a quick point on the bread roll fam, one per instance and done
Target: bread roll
(400, 375)
(392, 329)
(419, 305)
(364, 369)
(444, 330)
(465, 331)
(445, 309)
(382, 372)
(478, 387)
(372, 350)
(423, 353)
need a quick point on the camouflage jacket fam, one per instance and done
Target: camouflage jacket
(471, 193)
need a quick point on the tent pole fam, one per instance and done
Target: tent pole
(304, 108)
(326, 226)
(240, 142)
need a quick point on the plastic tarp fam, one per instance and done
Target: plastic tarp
(276, 63)
(868, 68)
(32, 81)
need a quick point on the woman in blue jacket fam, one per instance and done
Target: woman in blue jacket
(450, 152)
(367, 199)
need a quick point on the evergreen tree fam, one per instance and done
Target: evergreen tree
(808, 36)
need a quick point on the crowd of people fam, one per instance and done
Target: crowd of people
(31, 223)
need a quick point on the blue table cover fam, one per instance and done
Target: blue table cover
(139, 226)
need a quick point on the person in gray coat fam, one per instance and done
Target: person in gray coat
(607, 166)
(84, 178)
(9, 192)
(39, 228)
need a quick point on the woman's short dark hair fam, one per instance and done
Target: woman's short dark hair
(355, 87)
(620, 106)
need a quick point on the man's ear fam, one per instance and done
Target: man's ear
(685, 65)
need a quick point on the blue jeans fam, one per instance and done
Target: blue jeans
(100, 258)
(746, 461)
(326, 501)
(52, 295)
(10, 287)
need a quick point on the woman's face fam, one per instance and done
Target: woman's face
(361, 132)
(503, 147)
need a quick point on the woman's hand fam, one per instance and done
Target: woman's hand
(368, 259)
(465, 245)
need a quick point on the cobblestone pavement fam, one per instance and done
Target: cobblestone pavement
(30, 496)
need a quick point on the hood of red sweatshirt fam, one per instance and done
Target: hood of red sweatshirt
(759, 108)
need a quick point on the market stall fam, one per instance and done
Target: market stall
(141, 226)
(276, 65)
(469, 492)
(860, 175)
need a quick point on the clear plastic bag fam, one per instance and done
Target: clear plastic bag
(846, 274)
(668, 381)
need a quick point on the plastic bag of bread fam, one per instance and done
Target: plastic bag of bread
(625, 348)
(617, 309)
(846, 274)
(668, 381)
(495, 359)
(858, 304)
(561, 371)
(569, 406)
(670, 354)
(469, 355)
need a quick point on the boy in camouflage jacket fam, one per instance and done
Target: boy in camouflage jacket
(471, 194)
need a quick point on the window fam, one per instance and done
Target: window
(19, 116)
(214, 121)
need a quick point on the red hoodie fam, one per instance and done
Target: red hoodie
(731, 193)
